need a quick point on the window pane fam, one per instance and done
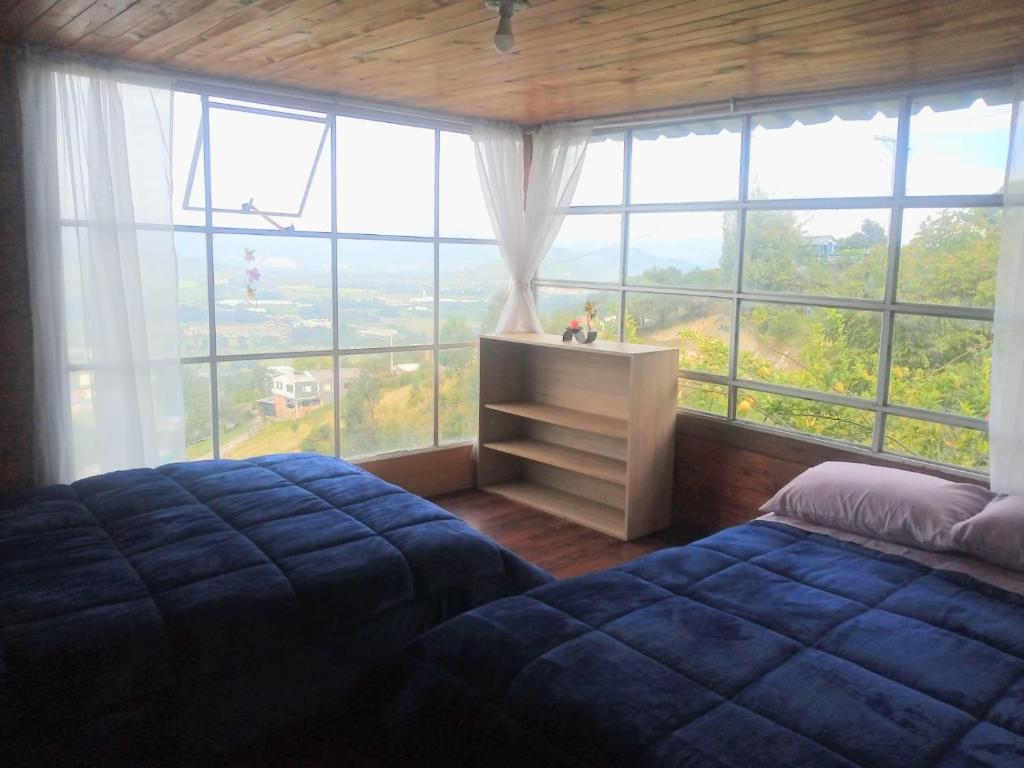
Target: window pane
(269, 171)
(693, 250)
(459, 394)
(941, 364)
(385, 293)
(949, 256)
(463, 210)
(474, 288)
(601, 179)
(557, 306)
(701, 328)
(193, 297)
(822, 253)
(195, 384)
(586, 249)
(385, 178)
(187, 159)
(387, 403)
(958, 446)
(848, 151)
(701, 396)
(84, 450)
(276, 406)
(837, 422)
(273, 293)
(695, 162)
(815, 348)
(958, 148)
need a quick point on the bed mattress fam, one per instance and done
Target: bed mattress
(763, 645)
(197, 605)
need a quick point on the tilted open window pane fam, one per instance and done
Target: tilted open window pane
(944, 443)
(459, 394)
(558, 306)
(268, 169)
(845, 151)
(810, 417)
(385, 178)
(587, 249)
(814, 348)
(704, 397)
(691, 162)
(685, 249)
(601, 179)
(941, 364)
(949, 256)
(474, 288)
(273, 293)
(188, 167)
(839, 253)
(959, 146)
(276, 406)
(701, 328)
(385, 293)
(387, 402)
(463, 210)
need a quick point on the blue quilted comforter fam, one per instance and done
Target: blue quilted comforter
(759, 646)
(196, 605)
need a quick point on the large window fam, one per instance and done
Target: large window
(334, 274)
(828, 272)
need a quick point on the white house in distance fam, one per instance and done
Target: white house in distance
(292, 394)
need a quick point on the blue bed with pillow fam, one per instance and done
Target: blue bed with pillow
(165, 612)
(763, 645)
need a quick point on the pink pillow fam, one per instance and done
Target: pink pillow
(888, 504)
(996, 534)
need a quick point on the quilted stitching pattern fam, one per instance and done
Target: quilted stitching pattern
(124, 587)
(761, 645)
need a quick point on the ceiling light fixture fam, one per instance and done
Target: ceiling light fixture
(504, 40)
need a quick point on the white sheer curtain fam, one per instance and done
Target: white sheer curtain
(97, 149)
(1006, 423)
(526, 220)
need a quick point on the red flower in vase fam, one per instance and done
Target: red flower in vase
(574, 325)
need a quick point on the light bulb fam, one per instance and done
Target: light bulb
(504, 40)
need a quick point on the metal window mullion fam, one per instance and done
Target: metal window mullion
(743, 198)
(437, 286)
(335, 285)
(892, 273)
(211, 289)
(627, 179)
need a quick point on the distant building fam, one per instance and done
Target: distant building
(826, 245)
(292, 394)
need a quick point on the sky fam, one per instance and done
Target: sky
(386, 179)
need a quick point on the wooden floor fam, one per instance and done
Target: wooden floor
(562, 548)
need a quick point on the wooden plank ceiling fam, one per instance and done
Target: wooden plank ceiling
(574, 59)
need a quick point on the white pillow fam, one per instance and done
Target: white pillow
(889, 504)
(996, 534)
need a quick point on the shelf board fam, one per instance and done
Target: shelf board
(591, 514)
(608, 426)
(585, 463)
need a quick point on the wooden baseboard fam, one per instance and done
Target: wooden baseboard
(427, 473)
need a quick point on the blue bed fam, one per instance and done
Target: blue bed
(763, 645)
(192, 607)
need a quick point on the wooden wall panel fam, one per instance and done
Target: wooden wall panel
(16, 447)
(428, 473)
(725, 472)
(574, 58)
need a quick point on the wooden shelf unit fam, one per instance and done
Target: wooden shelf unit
(584, 432)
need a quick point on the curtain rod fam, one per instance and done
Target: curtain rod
(233, 87)
(1003, 76)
